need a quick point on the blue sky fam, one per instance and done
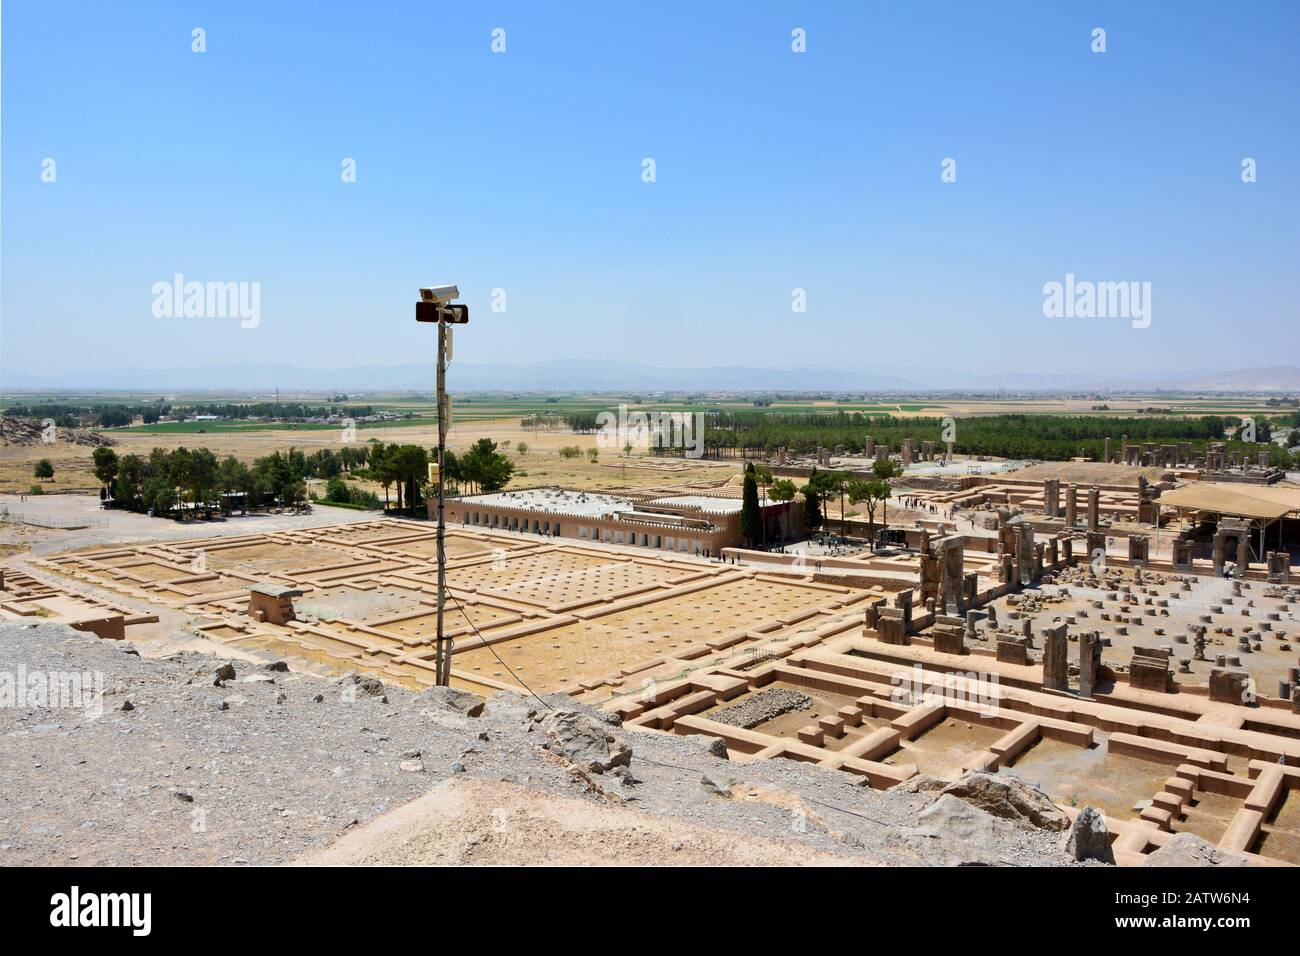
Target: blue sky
(775, 171)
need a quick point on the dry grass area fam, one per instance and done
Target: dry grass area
(542, 464)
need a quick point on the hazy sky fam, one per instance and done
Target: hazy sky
(774, 170)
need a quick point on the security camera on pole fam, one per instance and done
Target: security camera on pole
(435, 306)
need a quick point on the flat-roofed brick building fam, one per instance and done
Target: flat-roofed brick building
(693, 524)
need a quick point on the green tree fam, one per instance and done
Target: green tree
(202, 485)
(750, 516)
(336, 490)
(410, 465)
(233, 477)
(44, 470)
(178, 474)
(812, 501)
(837, 483)
(274, 476)
(381, 471)
(782, 489)
(105, 460)
(126, 487)
(870, 492)
(885, 469)
(486, 467)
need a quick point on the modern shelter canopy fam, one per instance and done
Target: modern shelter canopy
(1237, 501)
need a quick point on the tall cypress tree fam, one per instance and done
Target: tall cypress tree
(750, 517)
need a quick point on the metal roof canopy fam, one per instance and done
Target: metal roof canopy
(1225, 500)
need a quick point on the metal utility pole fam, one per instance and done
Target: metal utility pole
(435, 306)
(442, 653)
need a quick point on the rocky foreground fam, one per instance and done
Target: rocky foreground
(189, 760)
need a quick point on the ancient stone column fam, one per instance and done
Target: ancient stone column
(1106, 454)
(890, 627)
(1089, 662)
(1096, 543)
(871, 616)
(931, 575)
(1056, 659)
(1071, 505)
(1198, 641)
(952, 575)
(870, 448)
(1025, 555)
(1094, 508)
(1279, 567)
(903, 602)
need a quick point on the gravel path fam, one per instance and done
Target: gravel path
(761, 707)
(126, 527)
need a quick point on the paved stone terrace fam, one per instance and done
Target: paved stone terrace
(561, 615)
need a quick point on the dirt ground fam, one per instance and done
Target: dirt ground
(1086, 473)
(490, 823)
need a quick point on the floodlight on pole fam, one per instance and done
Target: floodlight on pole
(436, 306)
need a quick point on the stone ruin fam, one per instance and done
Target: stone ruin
(1021, 559)
(1279, 567)
(1231, 683)
(1149, 669)
(942, 577)
(1238, 530)
(1056, 658)
(272, 603)
(949, 634)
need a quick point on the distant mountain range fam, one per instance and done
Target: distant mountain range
(570, 375)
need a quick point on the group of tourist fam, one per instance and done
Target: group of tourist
(920, 504)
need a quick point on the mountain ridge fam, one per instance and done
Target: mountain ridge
(596, 375)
